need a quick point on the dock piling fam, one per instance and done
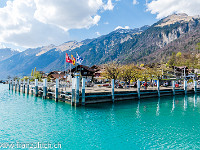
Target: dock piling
(138, 88)
(56, 90)
(27, 86)
(77, 89)
(113, 92)
(173, 87)
(158, 88)
(9, 85)
(185, 86)
(44, 88)
(12, 82)
(83, 91)
(195, 86)
(24, 84)
(36, 87)
(15, 85)
(19, 85)
(73, 92)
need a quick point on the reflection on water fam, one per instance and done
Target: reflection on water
(173, 104)
(158, 107)
(185, 102)
(195, 100)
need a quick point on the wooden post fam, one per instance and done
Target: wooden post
(24, 86)
(113, 91)
(83, 91)
(195, 86)
(44, 88)
(73, 91)
(158, 88)
(185, 86)
(138, 88)
(77, 89)
(56, 90)
(36, 87)
(27, 86)
(173, 87)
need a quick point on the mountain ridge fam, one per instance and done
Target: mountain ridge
(141, 45)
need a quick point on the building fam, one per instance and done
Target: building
(181, 71)
(57, 75)
(84, 71)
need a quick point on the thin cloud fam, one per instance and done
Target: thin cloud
(164, 8)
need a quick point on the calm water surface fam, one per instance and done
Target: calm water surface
(152, 123)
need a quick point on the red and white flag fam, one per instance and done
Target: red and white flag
(68, 60)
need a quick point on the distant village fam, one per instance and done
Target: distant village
(97, 73)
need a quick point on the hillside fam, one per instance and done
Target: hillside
(6, 53)
(148, 44)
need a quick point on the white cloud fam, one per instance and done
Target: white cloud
(98, 34)
(109, 5)
(106, 23)
(120, 27)
(164, 8)
(32, 23)
(135, 2)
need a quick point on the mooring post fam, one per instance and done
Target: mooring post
(158, 88)
(56, 90)
(12, 82)
(113, 91)
(44, 88)
(27, 86)
(77, 89)
(173, 87)
(15, 85)
(195, 86)
(9, 84)
(185, 86)
(24, 84)
(83, 91)
(36, 87)
(19, 85)
(73, 91)
(138, 88)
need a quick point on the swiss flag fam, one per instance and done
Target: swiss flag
(68, 60)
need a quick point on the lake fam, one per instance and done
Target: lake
(168, 122)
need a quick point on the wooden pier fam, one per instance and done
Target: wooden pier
(78, 94)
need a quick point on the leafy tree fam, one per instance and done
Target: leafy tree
(172, 60)
(38, 76)
(111, 71)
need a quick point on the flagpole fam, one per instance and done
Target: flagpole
(70, 73)
(65, 67)
(76, 61)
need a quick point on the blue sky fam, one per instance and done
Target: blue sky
(123, 14)
(33, 23)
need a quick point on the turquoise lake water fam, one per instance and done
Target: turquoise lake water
(168, 122)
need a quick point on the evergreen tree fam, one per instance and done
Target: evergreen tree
(32, 72)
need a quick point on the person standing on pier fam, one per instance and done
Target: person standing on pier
(145, 85)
